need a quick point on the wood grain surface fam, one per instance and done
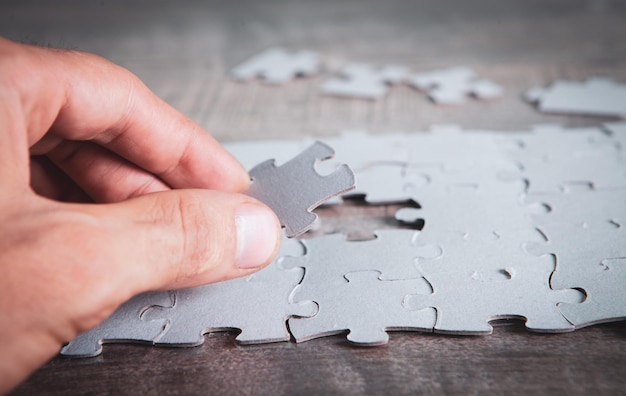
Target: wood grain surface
(184, 50)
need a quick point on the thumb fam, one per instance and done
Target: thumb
(186, 238)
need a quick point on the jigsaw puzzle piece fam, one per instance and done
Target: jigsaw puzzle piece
(295, 188)
(604, 286)
(452, 86)
(361, 149)
(486, 90)
(578, 247)
(467, 302)
(453, 76)
(386, 183)
(579, 204)
(551, 175)
(329, 257)
(362, 81)
(277, 66)
(366, 307)
(124, 325)
(258, 305)
(596, 96)
(551, 140)
(451, 148)
(618, 133)
(472, 203)
(476, 252)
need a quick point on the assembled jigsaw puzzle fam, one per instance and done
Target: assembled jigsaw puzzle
(524, 225)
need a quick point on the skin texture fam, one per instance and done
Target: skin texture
(105, 192)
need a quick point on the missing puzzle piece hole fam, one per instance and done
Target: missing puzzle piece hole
(358, 220)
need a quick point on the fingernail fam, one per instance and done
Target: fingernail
(256, 235)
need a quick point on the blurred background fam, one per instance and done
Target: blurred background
(183, 50)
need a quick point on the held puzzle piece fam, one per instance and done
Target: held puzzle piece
(278, 66)
(276, 186)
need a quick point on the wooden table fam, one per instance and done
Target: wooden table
(183, 51)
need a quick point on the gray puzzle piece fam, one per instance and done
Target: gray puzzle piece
(360, 149)
(551, 140)
(329, 257)
(451, 148)
(277, 66)
(466, 302)
(618, 133)
(596, 96)
(483, 204)
(583, 253)
(364, 82)
(124, 325)
(258, 305)
(579, 204)
(579, 247)
(295, 188)
(452, 86)
(385, 183)
(366, 307)
(477, 252)
(552, 159)
(604, 286)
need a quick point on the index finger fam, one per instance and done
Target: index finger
(80, 96)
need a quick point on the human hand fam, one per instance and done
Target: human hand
(75, 128)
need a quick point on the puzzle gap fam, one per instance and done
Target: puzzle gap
(358, 219)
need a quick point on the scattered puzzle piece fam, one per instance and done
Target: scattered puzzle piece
(596, 96)
(362, 81)
(365, 306)
(278, 66)
(618, 133)
(451, 86)
(275, 187)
